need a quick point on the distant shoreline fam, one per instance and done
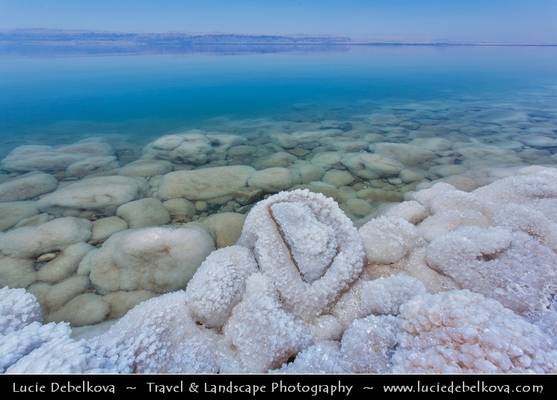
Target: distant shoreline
(41, 41)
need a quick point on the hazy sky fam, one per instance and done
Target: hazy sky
(456, 20)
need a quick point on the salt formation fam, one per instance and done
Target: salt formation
(462, 332)
(219, 284)
(154, 259)
(18, 309)
(447, 281)
(307, 246)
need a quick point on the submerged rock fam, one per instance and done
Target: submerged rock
(205, 183)
(11, 213)
(226, 227)
(101, 195)
(146, 168)
(105, 227)
(64, 263)
(85, 309)
(52, 236)
(53, 159)
(154, 259)
(372, 166)
(272, 180)
(144, 212)
(180, 209)
(92, 166)
(27, 186)
(407, 154)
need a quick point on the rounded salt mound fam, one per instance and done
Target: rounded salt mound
(155, 259)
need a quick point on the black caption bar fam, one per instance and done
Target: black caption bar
(276, 386)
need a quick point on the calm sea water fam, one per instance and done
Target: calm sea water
(59, 99)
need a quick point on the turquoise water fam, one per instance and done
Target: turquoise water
(54, 99)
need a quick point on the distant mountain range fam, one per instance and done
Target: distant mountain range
(23, 41)
(47, 40)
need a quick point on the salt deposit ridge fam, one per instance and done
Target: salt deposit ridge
(149, 268)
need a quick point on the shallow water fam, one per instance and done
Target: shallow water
(145, 96)
(497, 105)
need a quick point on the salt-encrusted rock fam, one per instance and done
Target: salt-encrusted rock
(408, 175)
(367, 345)
(187, 148)
(144, 212)
(273, 180)
(62, 354)
(34, 220)
(62, 292)
(225, 227)
(241, 151)
(155, 259)
(100, 194)
(16, 272)
(386, 295)
(275, 160)
(51, 236)
(308, 172)
(358, 207)
(262, 332)
(53, 159)
(407, 154)
(122, 301)
(538, 141)
(221, 142)
(159, 336)
(338, 178)
(327, 159)
(416, 266)
(372, 166)
(12, 213)
(387, 239)
(20, 346)
(306, 139)
(27, 186)
(376, 296)
(446, 221)
(105, 227)
(64, 264)
(425, 196)
(495, 266)
(462, 332)
(26, 346)
(85, 309)
(307, 246)
(180, 209)
(219, 284)
(91, 166)
(205, 183)
(18, 308)
(146, 168)
(320, 358)
(411, 211)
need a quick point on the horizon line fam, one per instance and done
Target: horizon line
(341, 40)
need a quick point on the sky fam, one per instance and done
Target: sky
(506, 21)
